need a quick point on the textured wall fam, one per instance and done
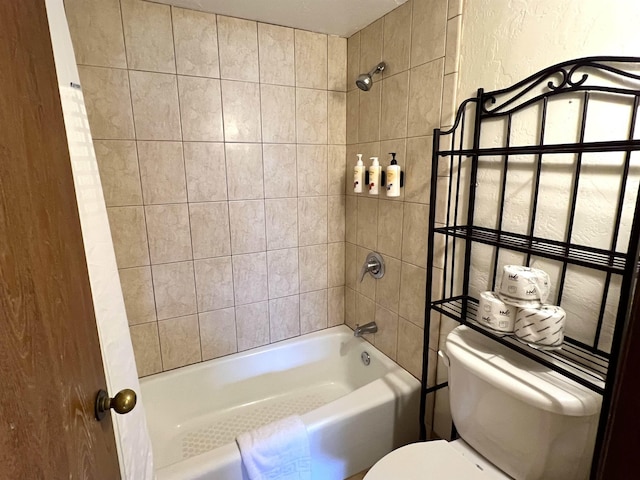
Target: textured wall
(419, 42)
(221, 147)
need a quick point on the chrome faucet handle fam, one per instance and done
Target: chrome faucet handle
(374, 264)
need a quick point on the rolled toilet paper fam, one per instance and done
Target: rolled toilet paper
(543, 326)
(496, 314)
(524, 286)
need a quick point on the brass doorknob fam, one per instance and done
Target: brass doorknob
(122, 403)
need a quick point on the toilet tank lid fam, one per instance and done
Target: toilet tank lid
(519, 376)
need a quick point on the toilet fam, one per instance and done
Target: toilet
(516, 419)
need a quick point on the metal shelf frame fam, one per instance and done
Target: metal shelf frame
(458, 152)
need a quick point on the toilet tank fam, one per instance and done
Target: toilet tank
(528, 420)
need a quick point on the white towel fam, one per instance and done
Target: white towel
(277, 451)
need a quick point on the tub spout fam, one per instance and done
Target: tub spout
(370, 327)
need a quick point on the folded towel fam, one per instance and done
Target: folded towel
(277, 451)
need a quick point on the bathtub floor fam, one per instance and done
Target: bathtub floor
(213, 430)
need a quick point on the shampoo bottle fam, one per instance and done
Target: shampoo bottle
(374, 176)
(393, 177)
(358, 175)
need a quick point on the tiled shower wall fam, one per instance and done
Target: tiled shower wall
(221, 148)
(416, 93)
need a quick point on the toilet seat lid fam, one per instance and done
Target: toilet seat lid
(418, 461)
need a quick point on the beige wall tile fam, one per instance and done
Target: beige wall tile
(369, 114)
(214, 283)
(336, 218)
(155, 106)
(250, 278)
(129, 236)
(238, 49)
(196, 43)
(280, 171)
(312, 220)
(351, 270)
(241, 103)
(412, 288)
(455, 8)
(284, 318)
(397, 39)
(252, 325)
(146, 348)
(415, 231)
(336, 157)
(206, 171)
(169, 234)
(386, 338)
(311, 59)
(449, 87)
(353, 116)
(313, 311)
(108, 101)
(371, 46)
(137, 290)
(148, 35)
(244, 171)
(410, 339)
(425, 96)
(119, 173)
(428, 31)
(388, 287)
(278, 109)
(337, 63)
(367, 231)
(353, 60)
(312, 170)
(336, 263)
(162, 172)
(282, 266)
(179, 341)
(452, 51)
(335, 306)
(200, 109)
(390, 228)
(210, 235)
(350, 307)
(311, 116)
(174, 289)
(96, 32)
(418, 169)
(337, 118)
(365, 311)
(351, 218)
(281, 223)
(247, 226)
(313, 268)
(366, 286)
(395, 97)
(277, 54)
(218, 333)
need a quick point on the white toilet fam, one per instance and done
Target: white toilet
(516, 419)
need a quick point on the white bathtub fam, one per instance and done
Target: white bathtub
(354, 414)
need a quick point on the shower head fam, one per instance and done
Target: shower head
(365, 80)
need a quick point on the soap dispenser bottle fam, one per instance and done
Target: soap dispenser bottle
(358, 175)
(374, 176)
(393, 177)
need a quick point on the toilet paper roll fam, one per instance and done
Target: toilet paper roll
(495, 314)
(542, 326)
(524, 286)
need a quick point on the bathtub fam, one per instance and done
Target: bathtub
(354, 413)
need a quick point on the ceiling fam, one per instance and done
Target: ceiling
(334, 17)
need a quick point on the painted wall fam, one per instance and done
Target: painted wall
(132, 438)
(506, 41)
(221, 147)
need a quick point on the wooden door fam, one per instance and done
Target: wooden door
(50, 362)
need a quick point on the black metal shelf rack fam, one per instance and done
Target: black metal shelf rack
(460, 152)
